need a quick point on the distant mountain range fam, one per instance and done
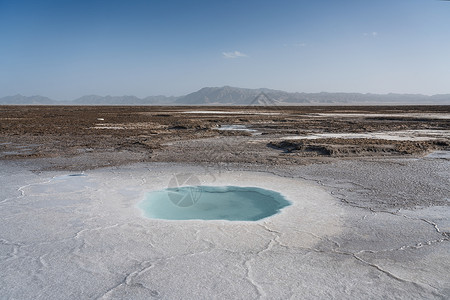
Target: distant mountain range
(238, 96)
(19, 99)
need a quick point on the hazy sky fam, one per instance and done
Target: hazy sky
(64, 49)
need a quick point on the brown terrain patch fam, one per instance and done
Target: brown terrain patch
(113, 135)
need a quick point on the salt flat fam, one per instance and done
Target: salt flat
(79, 237)
(369, 218)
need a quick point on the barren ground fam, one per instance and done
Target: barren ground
(369, 186)
(116, 135)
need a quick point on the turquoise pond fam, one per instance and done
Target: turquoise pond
(230, 203)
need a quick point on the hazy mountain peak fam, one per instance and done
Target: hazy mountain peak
(264, 100)
(30, 100)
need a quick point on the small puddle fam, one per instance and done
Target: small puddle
(230, 203)
(439, 154)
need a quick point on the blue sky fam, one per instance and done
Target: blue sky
(64, 49)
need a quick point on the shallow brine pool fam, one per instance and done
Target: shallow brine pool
(230, 203)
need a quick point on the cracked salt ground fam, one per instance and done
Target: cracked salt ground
(92, 242)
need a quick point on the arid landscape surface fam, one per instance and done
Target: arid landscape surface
(113, 135)
(368, 186)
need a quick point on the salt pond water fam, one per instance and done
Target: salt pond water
(230, 203)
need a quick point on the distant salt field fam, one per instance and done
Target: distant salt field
(443, 116)
(235, 127)
(407, 135)
(218, 112)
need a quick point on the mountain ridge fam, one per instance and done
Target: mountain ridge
(228, 95)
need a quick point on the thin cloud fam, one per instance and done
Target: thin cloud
(296, 45)
(372, 34)
(234, 54)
